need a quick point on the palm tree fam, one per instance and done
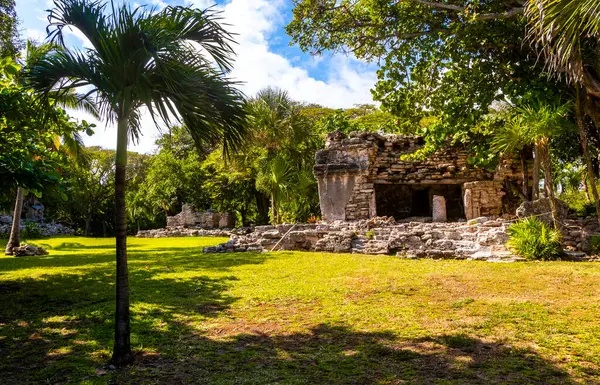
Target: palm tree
(143, 57)
(534, 125)
(277, 123)
(567, 34)
(543, 121)
(514, 138)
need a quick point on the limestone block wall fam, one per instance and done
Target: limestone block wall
(349, 169)
(482, 199)
(188, 217)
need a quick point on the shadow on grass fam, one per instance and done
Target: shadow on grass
(338, 355)
(58, 329)
(184, 257)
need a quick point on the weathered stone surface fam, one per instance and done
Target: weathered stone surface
(210, 219)
(28, 251)
(375, 236)
(352, 169)
(541, 209)
(439, 209)
(46, 229)
(187, 232)
(482, 198)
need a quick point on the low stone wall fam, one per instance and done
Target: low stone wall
(210, 219)
(477, 239)
(576, 233)
(181, 231)
(46, 229)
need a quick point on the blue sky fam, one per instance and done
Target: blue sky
(264, 58)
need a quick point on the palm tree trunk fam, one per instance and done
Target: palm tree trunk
(524, 165)
(544, 151)
(262, 208)
(273, 210)
(15, 231)
(535, 190)
(586, 154)
(122, 349)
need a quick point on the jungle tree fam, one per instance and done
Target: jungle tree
(567, 35)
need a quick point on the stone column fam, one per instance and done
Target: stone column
(439, 209)
(468, 202)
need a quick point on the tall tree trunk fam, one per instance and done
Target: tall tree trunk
(525, 165)
(273, 210)
(88, 220)
(535, 190)
(586, 153)
(122, 349)
(15, 231)
(544, 150)
(262, 207)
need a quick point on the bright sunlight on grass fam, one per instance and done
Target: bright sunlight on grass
(296, 318)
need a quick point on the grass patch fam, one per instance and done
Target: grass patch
(295, 318)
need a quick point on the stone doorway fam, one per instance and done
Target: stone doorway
(402, 201)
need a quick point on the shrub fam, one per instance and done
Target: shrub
(594, 242)
(32, 231)
(533, 239)
(578, 203)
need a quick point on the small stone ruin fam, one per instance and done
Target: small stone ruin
(377, 198)
(190, 223)
(365, 175)
(209, 219)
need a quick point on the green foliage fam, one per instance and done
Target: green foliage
(10, 42)
(370, 234)
(578, 203)
(446, 63)
(29, 130)
(567, 32)
(594, 242)
(31, 231)
(533, 239)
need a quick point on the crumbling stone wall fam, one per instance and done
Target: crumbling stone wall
(482, 198)
(210, 219)
(350, 168)
(482, 238)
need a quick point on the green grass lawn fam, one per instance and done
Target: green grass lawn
(296, 318)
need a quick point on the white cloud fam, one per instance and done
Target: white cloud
(35, 34)
(200, 4)
(257, 66)
(346, 82)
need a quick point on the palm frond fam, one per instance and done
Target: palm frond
(202, 27)
(85, 15)
(559, 29)
(511, 137)
(146, 58)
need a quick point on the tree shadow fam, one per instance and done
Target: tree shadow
(339, 355)
(59, 326)
(58, 329)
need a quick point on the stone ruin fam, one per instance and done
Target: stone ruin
(376, 200)
(209, 219)
(366, 175)
(481, 238)
(192, 223)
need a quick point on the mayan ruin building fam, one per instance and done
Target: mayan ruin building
(366, 175)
